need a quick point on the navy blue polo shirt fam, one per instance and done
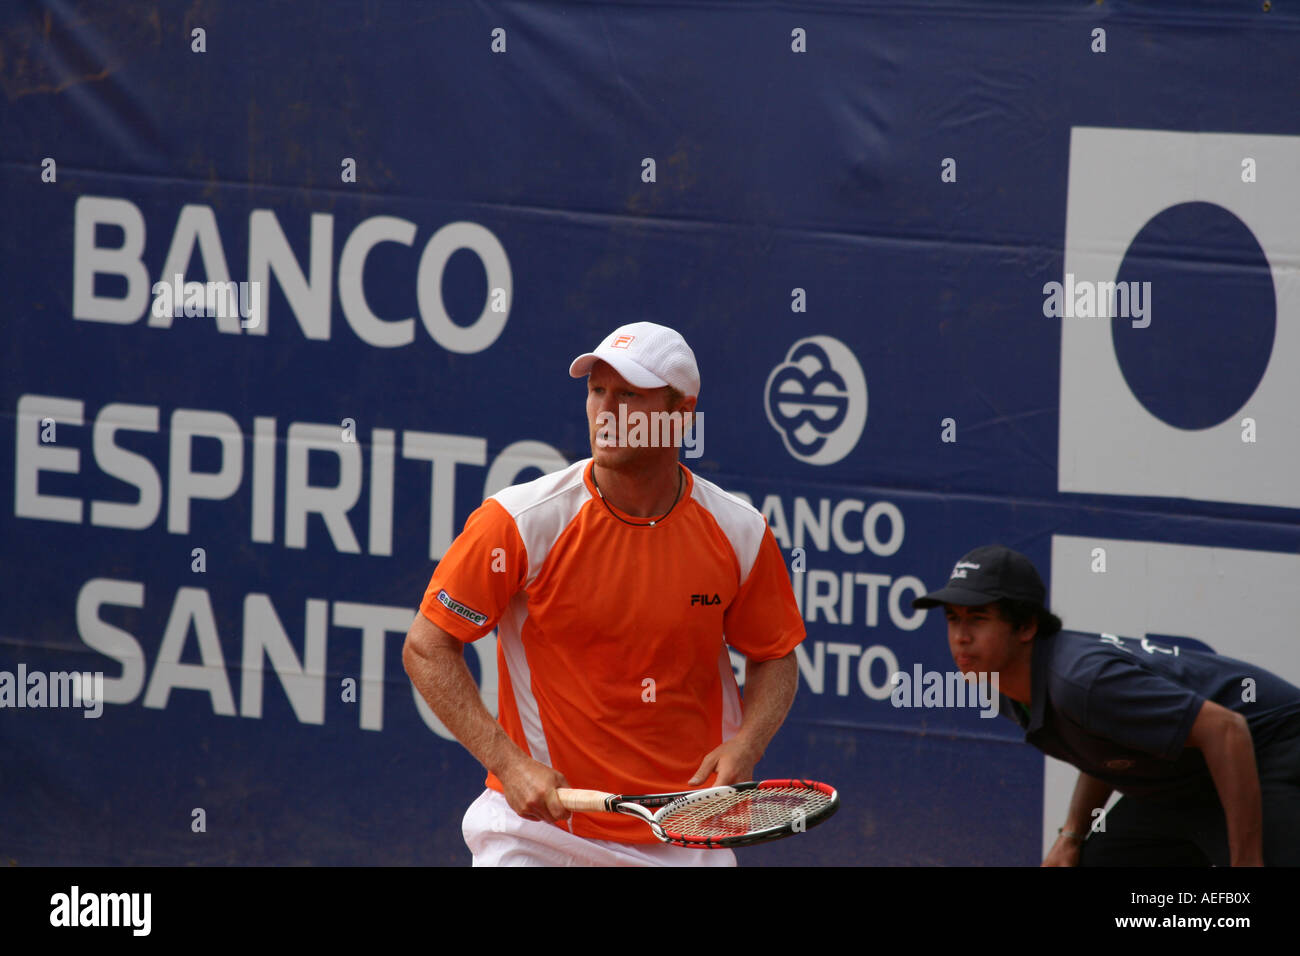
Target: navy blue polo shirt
(1120, 709)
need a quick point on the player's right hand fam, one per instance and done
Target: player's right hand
(1065, 852)
(530, 790)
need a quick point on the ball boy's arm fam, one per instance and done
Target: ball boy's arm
(1223, 737)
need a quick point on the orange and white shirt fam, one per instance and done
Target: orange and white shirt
(612, 660)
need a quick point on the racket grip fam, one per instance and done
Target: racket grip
(583, 801)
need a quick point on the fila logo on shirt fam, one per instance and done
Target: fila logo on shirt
(704, 600)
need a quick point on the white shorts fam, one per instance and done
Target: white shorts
(497, 836)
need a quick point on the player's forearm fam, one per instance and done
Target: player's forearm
(444, 681)
(1230, 755)
(1089, 794)
(769, 691)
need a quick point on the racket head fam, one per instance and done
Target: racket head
(745, 813)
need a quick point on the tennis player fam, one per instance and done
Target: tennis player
(1205, 749)
(616, 587)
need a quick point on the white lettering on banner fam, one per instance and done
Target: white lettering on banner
(365, 479)
(126, 260)
(303, 677)
(303, 680)
(827, 524)
(192, 611)
(264, 639)
(183, 483)
(811, 657)
(33, 456)
(332, 504)
(126, 466)
(309, 293)
(829, 596)
(449, 455)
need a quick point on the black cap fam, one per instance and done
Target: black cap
(986, 574)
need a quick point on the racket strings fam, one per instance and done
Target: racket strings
(749, 811)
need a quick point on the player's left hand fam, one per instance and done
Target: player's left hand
(734, 761)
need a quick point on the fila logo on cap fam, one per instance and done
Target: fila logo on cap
(647, 355)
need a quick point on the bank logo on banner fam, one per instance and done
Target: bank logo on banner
(816, 399)
(1198, 399)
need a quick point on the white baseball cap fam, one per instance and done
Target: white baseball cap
(647, 355)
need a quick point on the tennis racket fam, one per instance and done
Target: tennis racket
(738, 815)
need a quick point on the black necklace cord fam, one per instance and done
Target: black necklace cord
(681, 480)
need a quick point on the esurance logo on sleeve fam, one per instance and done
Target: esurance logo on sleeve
(476, 618)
